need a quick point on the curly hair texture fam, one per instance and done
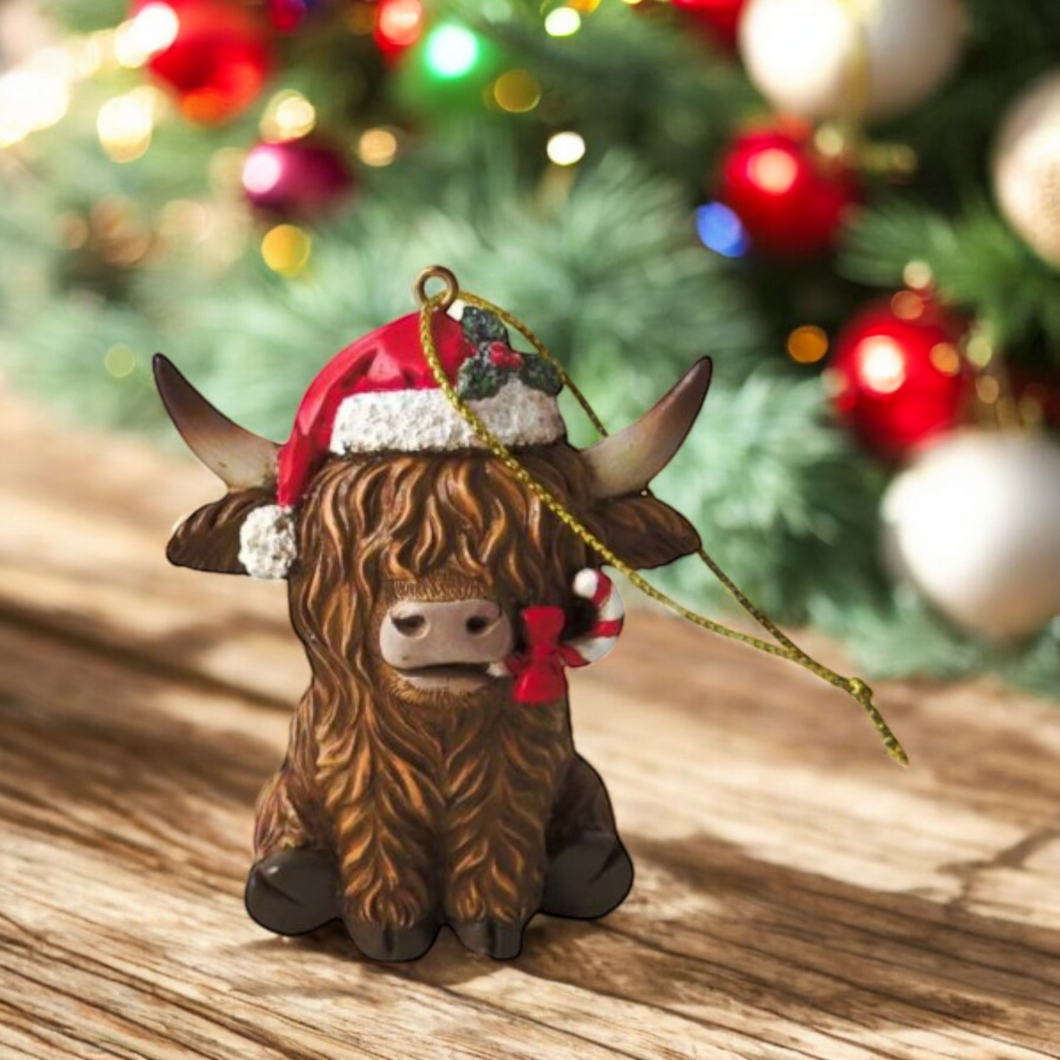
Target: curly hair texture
(430, 801)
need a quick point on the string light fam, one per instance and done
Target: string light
(907, 305)
(517, 91)
(288, 116)
(979, 350)
(377, 147)
(807, 344)
(563, 22)
(720, 230)
(451, 51)
(918, 275)
(565, 148)
(945, 358)
(125, 124)
(286, 249)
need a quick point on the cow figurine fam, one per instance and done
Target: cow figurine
(431, 776)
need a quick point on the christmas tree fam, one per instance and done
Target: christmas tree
(853, 206)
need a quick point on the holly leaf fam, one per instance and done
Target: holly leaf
(481, 327)
(478, 379)
(540, 375)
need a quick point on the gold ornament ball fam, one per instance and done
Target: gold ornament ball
(815, 58)
(1027, 167)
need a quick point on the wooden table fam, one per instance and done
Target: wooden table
(797, 895)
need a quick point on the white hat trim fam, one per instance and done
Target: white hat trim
(410, 421)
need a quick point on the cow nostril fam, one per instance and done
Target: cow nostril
(478, 624)
(409, 625)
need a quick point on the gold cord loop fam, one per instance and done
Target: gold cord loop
(785, 649)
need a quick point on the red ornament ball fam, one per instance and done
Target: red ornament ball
(897, 376)
(213, 55)
(296, 178)
(790, 201)
(720, 17)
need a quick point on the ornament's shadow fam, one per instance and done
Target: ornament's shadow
(710, 926)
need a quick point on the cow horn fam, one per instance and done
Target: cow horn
(241, 460)
(626, 462)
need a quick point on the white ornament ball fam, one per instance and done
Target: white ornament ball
(974, 523)
(804, 55)
(1027, 167)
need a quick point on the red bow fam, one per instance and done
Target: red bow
(538, 671)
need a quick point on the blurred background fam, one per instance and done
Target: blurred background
(852, 205)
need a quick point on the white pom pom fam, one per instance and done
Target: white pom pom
(267, 545)
(585, 583)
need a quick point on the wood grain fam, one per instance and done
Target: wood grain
(796, 895)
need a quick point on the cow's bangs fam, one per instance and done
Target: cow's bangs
(406, 517)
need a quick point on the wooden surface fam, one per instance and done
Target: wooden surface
(797, 895)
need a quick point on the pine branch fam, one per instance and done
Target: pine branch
(978, 263)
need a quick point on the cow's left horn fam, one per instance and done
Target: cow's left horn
(241, 460)
(626, 462)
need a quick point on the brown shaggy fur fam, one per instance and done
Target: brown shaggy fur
(431, 801)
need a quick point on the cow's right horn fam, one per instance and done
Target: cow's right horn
(241, 460)
(626, 462)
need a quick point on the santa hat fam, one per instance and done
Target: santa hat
(380, 395)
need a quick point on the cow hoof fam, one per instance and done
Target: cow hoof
(494, 938)
(384, 943)
(589, 877)
(293, 891)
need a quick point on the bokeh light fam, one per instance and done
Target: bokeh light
(882, 364)
(288, 116)
(517, 91)
(119, 362)
(773, 170)
(451, 51)
(563, 22)
(125, 125)
(807, 344)
(154, 29)
(377, 147)
(565, 148)
(945, 358)
(286, 249)
(720, 230)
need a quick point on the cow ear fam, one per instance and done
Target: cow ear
(209, 539)
(643, 531)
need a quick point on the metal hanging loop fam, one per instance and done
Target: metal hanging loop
(436, 272)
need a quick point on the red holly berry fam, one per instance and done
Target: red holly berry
(503, 356)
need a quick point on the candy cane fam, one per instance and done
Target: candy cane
(598, 589)
(539, 668)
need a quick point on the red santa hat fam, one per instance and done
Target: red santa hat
(379, 395)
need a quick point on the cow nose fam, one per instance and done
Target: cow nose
(418, 633)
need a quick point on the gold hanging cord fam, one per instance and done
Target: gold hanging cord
(785, 648)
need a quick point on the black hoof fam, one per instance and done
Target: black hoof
(588, 877)
(293, 891)
(494, 938)
(383, 943)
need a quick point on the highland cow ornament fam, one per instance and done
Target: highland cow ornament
(442, 545)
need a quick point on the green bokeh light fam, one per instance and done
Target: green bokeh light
(451, 51)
